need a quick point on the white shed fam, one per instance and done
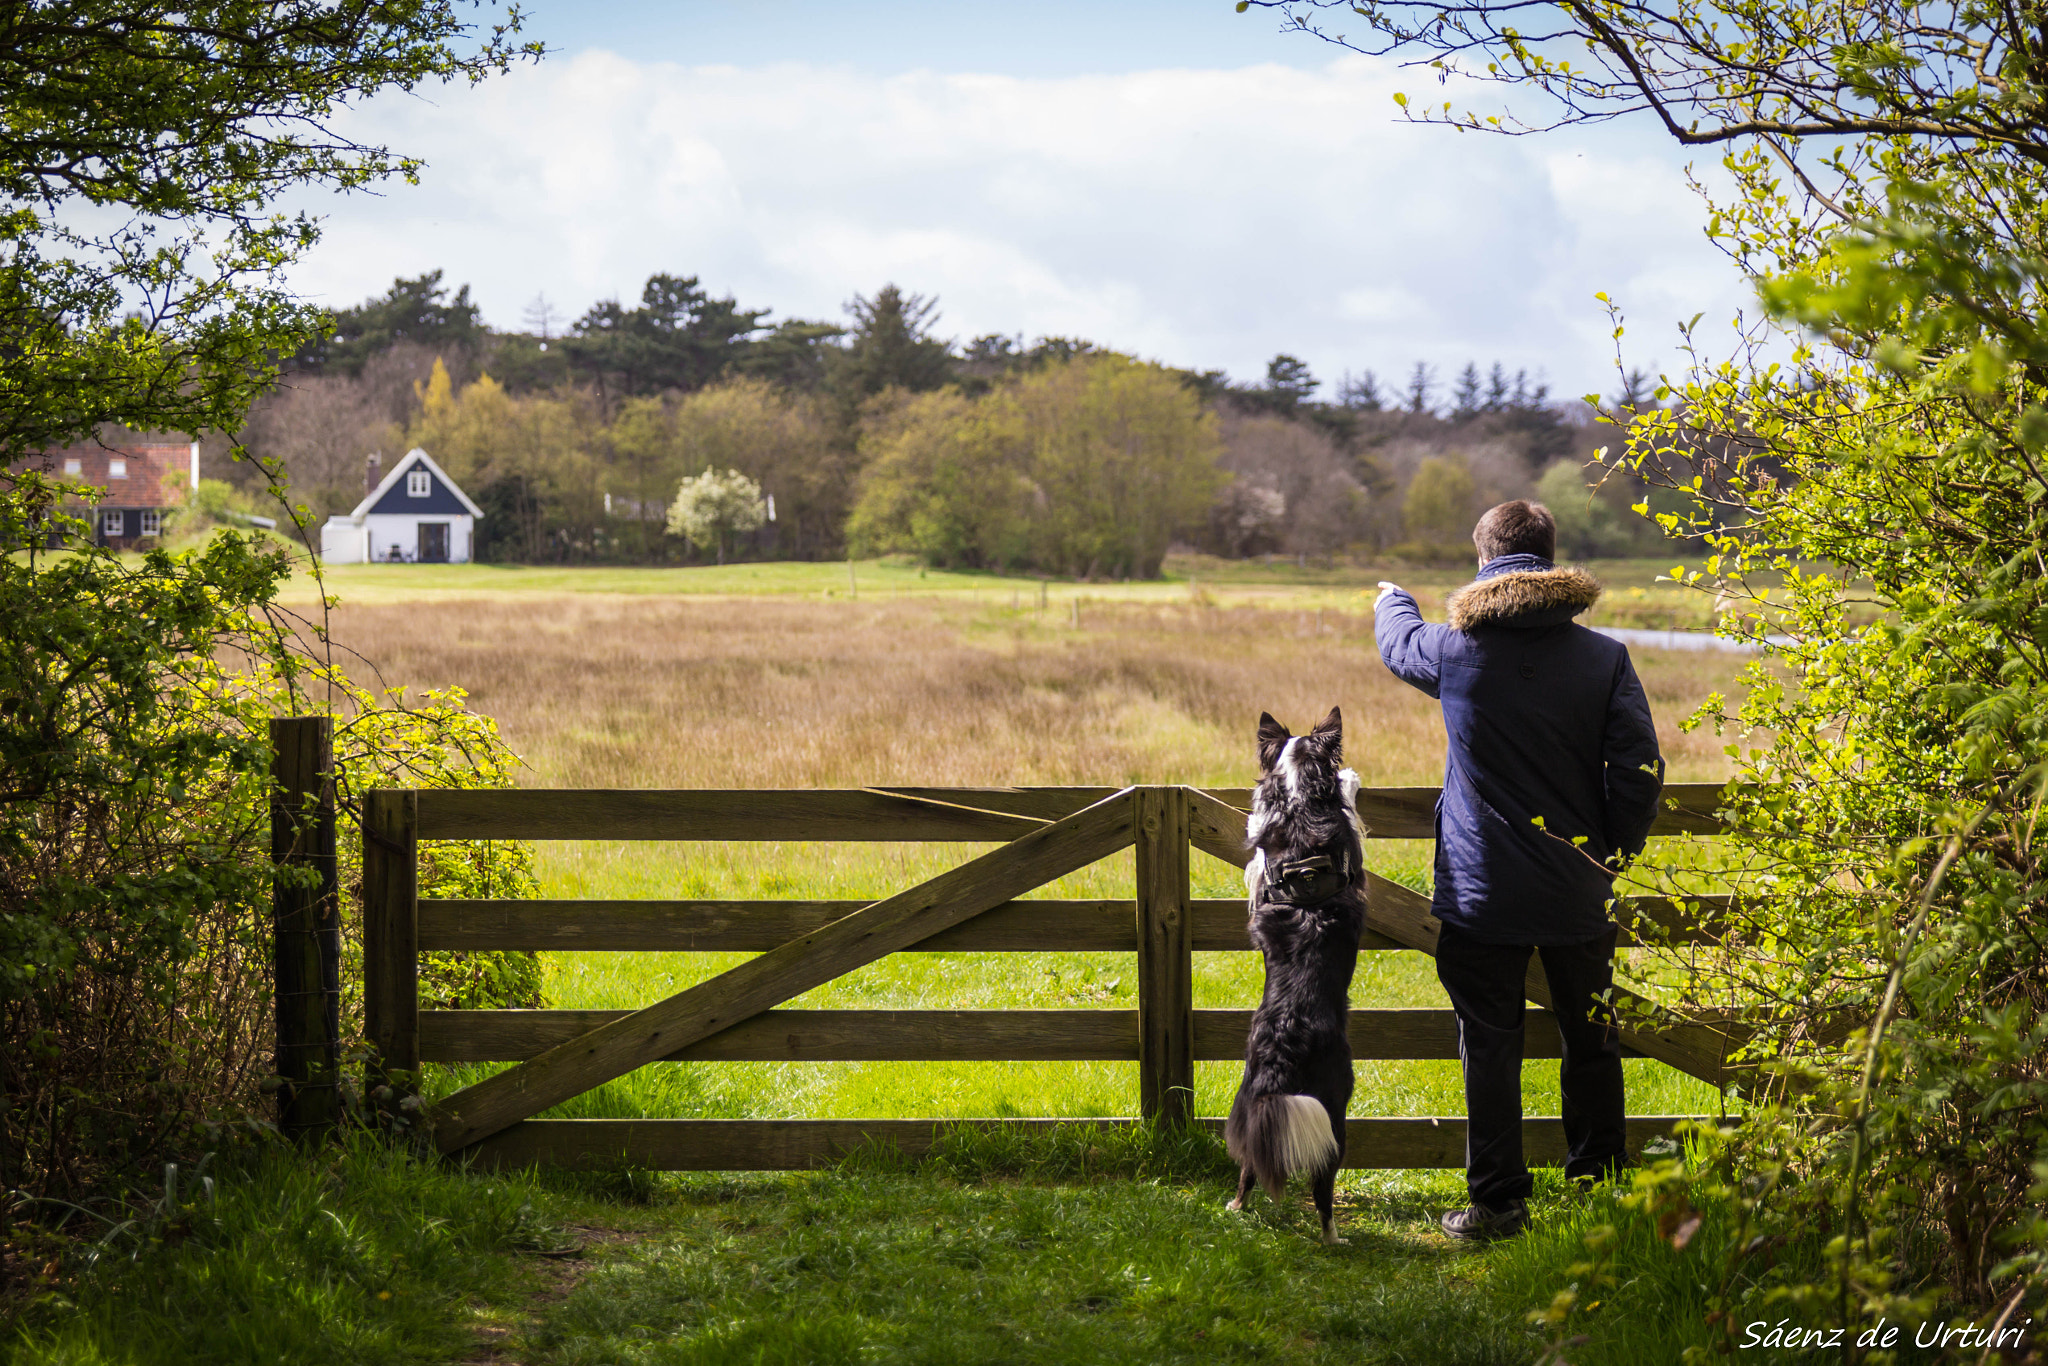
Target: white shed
(417, 515)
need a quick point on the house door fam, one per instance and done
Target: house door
(433, 543)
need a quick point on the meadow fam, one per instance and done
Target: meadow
(782, 690)
(1069, 1249)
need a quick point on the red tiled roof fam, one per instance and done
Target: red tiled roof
(157, 474)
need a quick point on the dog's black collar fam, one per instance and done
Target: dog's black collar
(1308, 882)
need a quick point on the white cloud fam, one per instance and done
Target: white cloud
(1203, 217)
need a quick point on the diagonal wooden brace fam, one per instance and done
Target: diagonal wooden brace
(647, 1035)
(1696, 1048)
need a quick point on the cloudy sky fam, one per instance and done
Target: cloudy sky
(1167, 177)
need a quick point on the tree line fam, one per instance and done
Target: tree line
(875, 435)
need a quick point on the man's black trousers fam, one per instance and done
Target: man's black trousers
(1485, 985)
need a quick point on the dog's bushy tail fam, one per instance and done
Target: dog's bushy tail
(1278, 1135)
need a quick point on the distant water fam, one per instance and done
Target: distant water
(1683, 640)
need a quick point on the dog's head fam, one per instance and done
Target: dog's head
(1307, 765)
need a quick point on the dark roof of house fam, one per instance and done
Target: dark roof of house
(443, 497)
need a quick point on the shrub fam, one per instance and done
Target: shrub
(135, 881)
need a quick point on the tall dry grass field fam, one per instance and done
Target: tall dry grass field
(613, 691)
(617, 691)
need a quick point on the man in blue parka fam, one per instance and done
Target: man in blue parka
(1550, 785)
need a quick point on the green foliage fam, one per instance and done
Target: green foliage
(133, 828)
(134, 839)
(1438, 505)
(1596, 521)
(891, 347)
(164, 309)
(434, 741)
(141, 152)
(679, 339)
(416, 310)
(1084, 467)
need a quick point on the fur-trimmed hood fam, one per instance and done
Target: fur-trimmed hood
(1541, 597)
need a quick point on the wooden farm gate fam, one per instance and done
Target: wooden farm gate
(1048, 832)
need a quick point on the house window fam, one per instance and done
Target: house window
(418, 484)
(152, 523)
(113, 524)
(117, 469)
(74, 466)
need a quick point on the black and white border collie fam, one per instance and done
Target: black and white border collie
(1306, 881)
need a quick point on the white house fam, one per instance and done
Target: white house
(415, 516)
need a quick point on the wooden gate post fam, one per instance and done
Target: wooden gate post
(1166, 965)
(391, 937)
(306, 924)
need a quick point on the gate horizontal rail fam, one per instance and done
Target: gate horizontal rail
(1024, 926)
(922, 814)
(1042, 833)
(947, 1035)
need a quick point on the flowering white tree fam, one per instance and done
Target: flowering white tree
(714, 505)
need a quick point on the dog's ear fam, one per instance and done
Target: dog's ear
(1272, 738)
(1329, 733)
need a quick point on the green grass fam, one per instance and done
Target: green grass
(1635, 596)
(356, 1253)
(1066, 1248)
(926, 1269)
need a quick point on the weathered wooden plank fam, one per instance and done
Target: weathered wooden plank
(1220, 924)
(702, 814)
(1696, 1048)
(942, 1035)
(1033, 925)
(756, 926)
(799, 1144)
(306, 924)
(1390, 813)
(809, 1035)
(1382, 1035)
(894, 813)
(391, 955)
(1047, 852)
(1166, 979)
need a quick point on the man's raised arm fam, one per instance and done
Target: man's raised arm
(1407, 643)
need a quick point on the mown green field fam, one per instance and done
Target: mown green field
(1639, 593)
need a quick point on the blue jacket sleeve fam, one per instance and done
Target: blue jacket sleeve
(1635, 770)
(1409, 645)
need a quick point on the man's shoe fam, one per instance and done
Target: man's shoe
(1477, 1224)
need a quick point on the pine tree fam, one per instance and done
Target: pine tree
(1361, 393)
(1465, 399)
(1420, 385)
(891, 347)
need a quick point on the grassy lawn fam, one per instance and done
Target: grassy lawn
(1635, 596)
(1045, 1253)
(1072, 1248)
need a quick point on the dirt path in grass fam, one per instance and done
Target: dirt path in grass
(555, 1275)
